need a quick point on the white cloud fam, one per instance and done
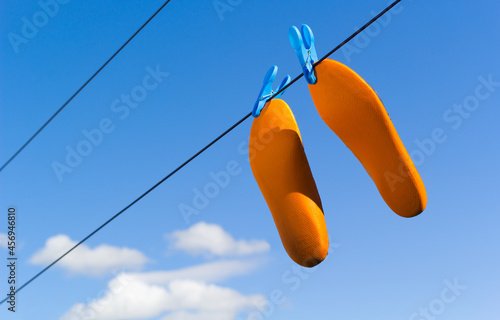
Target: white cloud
(204, 315)
(211, 239)
(84, 260)
(207, 272)
(142, 296)
(3, 240)
(191, 293)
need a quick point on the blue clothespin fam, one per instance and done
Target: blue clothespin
(305, 50)
(266, 92)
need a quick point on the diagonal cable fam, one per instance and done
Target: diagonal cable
(81, 88)
(204, 149)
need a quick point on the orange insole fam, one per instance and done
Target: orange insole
(282, 172)
(352, 109)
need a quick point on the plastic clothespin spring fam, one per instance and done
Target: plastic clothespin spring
(266, 91)
(303, 44)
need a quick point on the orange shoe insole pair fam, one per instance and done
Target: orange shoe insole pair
(352, 109)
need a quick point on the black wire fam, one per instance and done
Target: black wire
(136, 200)
(83, 86)
(366, 25)
(359, 30)
(202, 150)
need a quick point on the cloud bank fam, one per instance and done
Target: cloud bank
(211, 240)
(189, 293)
(84, 260)
(3, 240)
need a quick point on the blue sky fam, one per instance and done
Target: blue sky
(425, 60)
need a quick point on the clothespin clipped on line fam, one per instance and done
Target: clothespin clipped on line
(305, 50)
(266, 92)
